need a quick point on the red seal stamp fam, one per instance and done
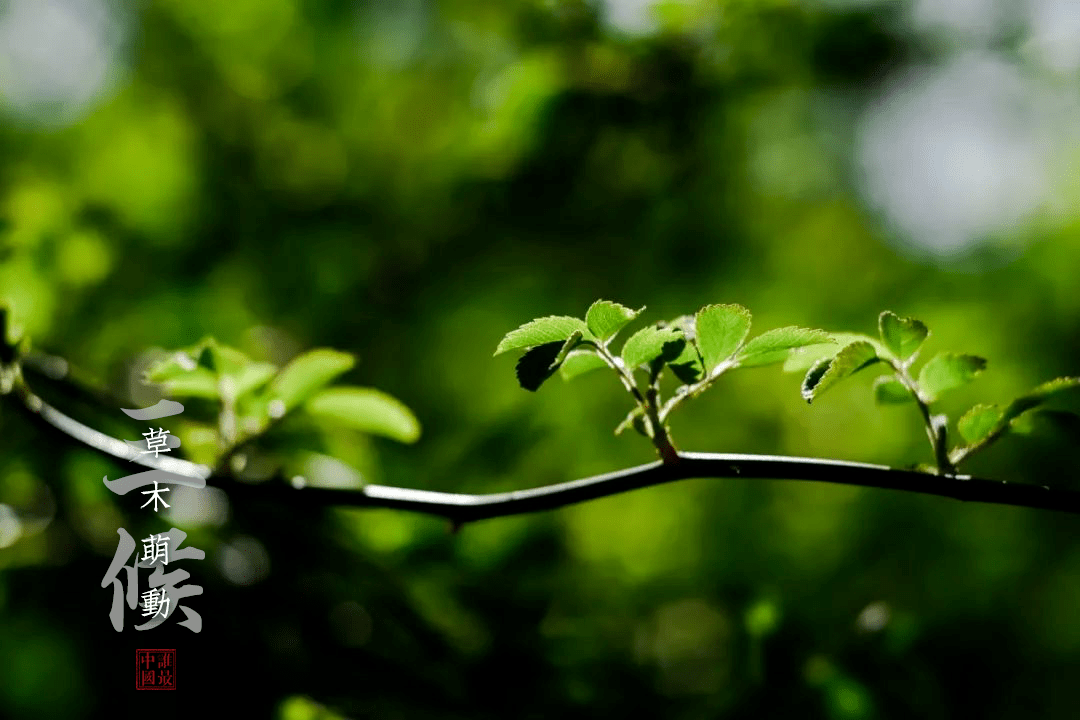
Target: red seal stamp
(155, 669)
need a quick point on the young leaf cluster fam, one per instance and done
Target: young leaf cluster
(696, 349)
(896, 349)
(252, 395)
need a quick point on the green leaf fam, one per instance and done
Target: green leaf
(802, 359)
(647, 344)
(948, 371)
(890, 391)
(775, 345)
(571, 342)
(580, 361)
(721, 329)
(220, 359)
(538, 364)
(813, 377)
(978, 422)
(829, 371)
(175, 365)
(199, 382)
(902, 336)
(554, 328)
(254, 376)
(1038, 396)
(308, 373)
(605, 318)
(367, 410)
(541, 362)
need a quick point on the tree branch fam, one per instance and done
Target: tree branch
(462, 508)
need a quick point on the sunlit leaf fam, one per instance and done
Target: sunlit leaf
(721, 329)
(175, 365)
(554, 328)
(775, 345)
(605, 318)
(978, 422)
(571, 342)
(219, 359)
(647, 344)
(199, 382)
(830, 371)
(307, 373)
(902, 336)
(803, 358)
(367, 410)
(254, 376)
(948, 371)
(580, 361)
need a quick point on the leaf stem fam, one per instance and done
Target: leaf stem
(648, 403)
(934, 431)
(697, 388)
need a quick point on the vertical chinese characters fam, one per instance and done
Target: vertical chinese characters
(166, 590)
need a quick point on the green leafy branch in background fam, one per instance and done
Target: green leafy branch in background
(246, 399)
(697, 349)
(897, 348)
(253, 396)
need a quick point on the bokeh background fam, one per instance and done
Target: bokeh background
(408, 181)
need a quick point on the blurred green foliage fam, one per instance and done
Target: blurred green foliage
(406, 181)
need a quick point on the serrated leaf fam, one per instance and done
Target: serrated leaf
(538, 364)
(580, 361)
(605, 318)
(978, 422)
(1038, 396)
(571, 342)
(948, 371)
(554, 328)
(647, 344)
(890, 391)
(307, 374)
(902, 336)
(721, 329)
(775, 345)
(828, 372)
(813, 377)
(365, 409)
